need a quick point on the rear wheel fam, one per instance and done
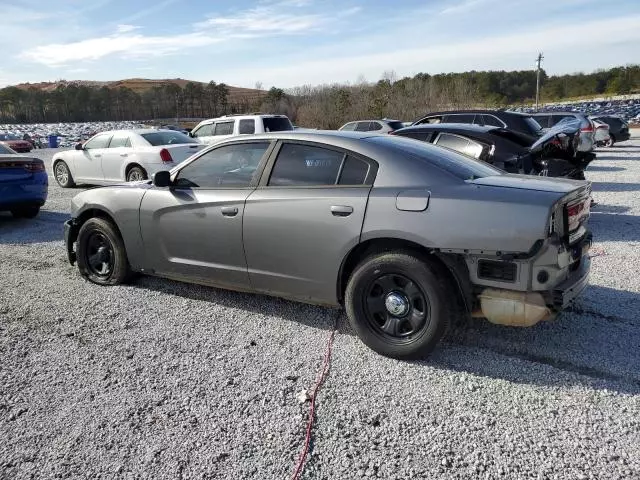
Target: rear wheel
(63, 175)
(101, 255)
(25, 212)
(135, 174)
(398, 305)
(610, 141)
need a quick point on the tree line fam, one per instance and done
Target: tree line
(325, 106)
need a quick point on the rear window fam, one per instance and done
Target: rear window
(395, 125)
(456, 164)
(276, 124)
(247, 126)
(167, 138)
(533, 125)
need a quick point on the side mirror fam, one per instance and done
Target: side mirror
(162, 179)
(190, 134)
(79, 146)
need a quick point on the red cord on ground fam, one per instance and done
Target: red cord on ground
(312, 406)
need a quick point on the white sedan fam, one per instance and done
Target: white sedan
(122, 155)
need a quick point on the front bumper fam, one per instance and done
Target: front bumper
(70, 236)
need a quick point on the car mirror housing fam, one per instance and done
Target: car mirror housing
(79, 146)
(162, 179)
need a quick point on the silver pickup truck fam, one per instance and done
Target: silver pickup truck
(406, 236)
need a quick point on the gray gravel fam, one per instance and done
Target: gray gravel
(164, 380)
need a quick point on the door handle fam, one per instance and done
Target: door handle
(341, 210)
(97, 155)
(229, 211)
(124, 154)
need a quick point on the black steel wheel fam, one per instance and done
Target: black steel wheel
(396, 307)
(101, 255)
(398, 304)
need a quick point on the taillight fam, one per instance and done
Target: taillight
(165, 156)
(34, 167)
(588, 129)
(576, 212)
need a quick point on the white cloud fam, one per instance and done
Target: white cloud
(124, 28)
(263, 20)
(463, 6)
(517, 50)
(126, 44)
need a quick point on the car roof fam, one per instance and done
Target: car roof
(559, 113)
(477, 110)
(140, 131)
(241, 116)
(451, 126)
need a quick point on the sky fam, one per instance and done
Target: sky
(288, 43)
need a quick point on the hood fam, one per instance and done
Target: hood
(567, 126)
(530, 182)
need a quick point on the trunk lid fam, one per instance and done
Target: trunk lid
(16, 168)
(181, 152)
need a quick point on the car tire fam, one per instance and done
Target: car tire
(416, 288)
(136, 174)
(101, 255)
(609, 143)
(25, 212)
(62, 174)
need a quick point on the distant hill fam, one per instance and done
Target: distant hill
(140, 85)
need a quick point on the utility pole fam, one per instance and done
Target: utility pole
(539, 61)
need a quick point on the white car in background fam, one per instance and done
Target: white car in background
(122, 155)
(215, 130)
(601, 136)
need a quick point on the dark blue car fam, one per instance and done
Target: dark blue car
(23, 183)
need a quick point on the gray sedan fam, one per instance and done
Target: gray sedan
(406, 236)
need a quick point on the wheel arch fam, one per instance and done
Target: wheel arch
(453, 265)
(131, 165)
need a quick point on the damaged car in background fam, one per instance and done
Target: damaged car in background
(406, 236)
(554, 154)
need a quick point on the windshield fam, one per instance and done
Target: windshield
(157, 139)
(457, 164)
(5, 150)
(276, 124)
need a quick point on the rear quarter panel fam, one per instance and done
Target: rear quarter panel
(463, 217)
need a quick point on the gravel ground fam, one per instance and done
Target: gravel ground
(164, 380)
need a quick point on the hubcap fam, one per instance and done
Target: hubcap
(61, 174)
(135, 176)
(396, 304)
(99, 256)
(396, 307)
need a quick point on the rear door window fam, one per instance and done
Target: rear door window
(451, 141)
(223, 128)
(305, 165)
(492, 121)
(459, 118)
(434, 119)
(417, 135)
(374, 126)
(362, 127)
(247, 126)
(120, 140)
(354, 171)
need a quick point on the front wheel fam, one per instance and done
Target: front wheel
(609, 142)
(397, 304)
(101, 255)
